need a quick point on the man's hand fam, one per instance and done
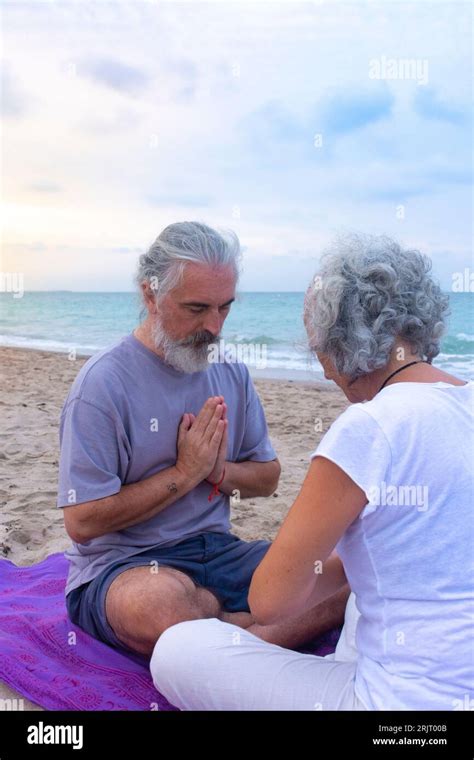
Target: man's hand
(199, 439)
(216, 475)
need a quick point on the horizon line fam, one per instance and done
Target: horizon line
(136, 292)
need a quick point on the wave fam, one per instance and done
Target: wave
(46, 344)
(257, 339)
(278, 356)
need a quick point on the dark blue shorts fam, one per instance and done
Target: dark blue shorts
(220, 562)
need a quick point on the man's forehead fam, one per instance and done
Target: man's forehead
(205, 285)
(204, 273)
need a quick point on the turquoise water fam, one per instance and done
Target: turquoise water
(86, 322)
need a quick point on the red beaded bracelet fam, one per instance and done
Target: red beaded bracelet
(215, 489)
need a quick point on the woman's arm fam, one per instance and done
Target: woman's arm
(330, 578)
(287, 582)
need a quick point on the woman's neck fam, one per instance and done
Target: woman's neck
(425, 373)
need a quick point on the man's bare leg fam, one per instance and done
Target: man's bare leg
(140, 605)
(299, 630)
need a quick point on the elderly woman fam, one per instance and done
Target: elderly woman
(386, 505)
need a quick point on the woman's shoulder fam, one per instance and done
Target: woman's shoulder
(407, 404)
(401, 405)
(356, 422)
(421, 389)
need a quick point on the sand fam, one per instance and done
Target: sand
(34, 386)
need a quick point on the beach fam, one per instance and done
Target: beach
(34, 387)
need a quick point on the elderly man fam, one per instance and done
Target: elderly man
(154, 440)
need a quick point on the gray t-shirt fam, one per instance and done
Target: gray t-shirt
(119, 425)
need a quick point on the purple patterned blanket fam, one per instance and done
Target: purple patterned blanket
(55, 664)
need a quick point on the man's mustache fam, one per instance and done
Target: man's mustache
(199, 339)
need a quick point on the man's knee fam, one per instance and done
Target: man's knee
(140, 606)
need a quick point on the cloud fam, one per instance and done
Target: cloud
(345, 111)
(398, 184)
(114, 74)
(13, 101)
(275, 140)
(283, 138)
(274, 122)
(45, 187)
(398, 192)
(179, 199)
(450, 175)
(110, 121)
(153, 116)
(19, 248)
(429, 105)
(126, 249)
(183, 76)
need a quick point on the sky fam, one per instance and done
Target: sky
(287, 122)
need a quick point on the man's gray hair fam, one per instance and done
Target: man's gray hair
(368, 291)
(183, 243)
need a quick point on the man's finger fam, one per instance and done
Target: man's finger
(213, 422)
(183, 426)
(205, 415)
(223, 446)
(216, 437)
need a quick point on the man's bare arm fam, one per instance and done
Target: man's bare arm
(134, 503)
(137, 502)
(251, 478)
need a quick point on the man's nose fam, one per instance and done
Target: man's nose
(213, 323)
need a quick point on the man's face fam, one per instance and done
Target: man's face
(189, 318)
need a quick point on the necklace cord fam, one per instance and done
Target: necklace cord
(405, 366)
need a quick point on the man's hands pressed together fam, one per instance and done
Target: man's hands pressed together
(202, 441)
(216, 475)
(201, 455)
(202, 451)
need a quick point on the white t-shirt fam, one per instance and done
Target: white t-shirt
(409, 556)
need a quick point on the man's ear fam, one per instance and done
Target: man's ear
(149, 297)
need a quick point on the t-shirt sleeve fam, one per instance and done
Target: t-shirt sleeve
(256, 444)
(358, 445)
(93, 454)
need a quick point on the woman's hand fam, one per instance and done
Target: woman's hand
(285, 584)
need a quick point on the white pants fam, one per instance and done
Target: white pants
(211, 665)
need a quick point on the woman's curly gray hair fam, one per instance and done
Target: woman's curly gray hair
(369, 291)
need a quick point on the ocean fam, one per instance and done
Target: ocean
(265, 329)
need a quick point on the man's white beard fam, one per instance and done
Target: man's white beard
(182, 355)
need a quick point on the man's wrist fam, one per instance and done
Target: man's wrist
(185, 480)
(216, 481)
(215, 487)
